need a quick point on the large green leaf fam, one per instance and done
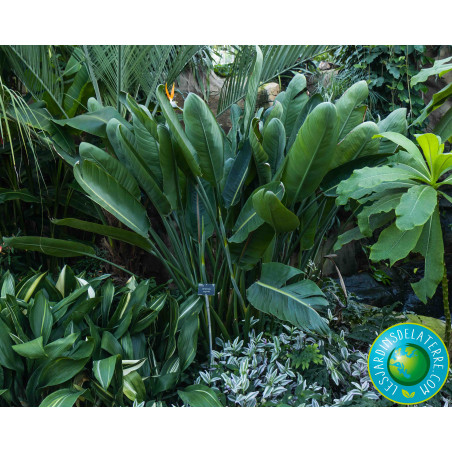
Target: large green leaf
(62, 398)
(394, 244)
(142, 173)
(110, 231)
(111, 166)
(168, 166)
(293, 303)
(416, 207)
(444, 127)
(251, 90)
(409, 146)
(40, 317)
(237, 176)
(440, 67)
(248, 219)
(248, 253)
(431, 246)
(271, 210)
(206, 136)
(310, 156)
(260, 156)
(33, 349)
(110, 195)
(367, 180)
(386, 202)
(274, 142)
(8, 358)
(293, 101)
(7, 194)
(346, 107)
(199, 396)
(61, 370)
(357, 143)
(188, 151)
(94, 122)
(394, 122)
(52, 247)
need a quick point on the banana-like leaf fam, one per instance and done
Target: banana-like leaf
(346, 106)
(293, 101)
(313, 101)
(23, 194)
(142, 173)
(168, 166)
(187, 341)
(358, 143)
(367, 180)
(394, 122)
(109, 231)
(293, 303)
(440, 67)
(394, 244)
(199, 396)
(431, 246)
(444, 127)
(110, 195)
(206, 137)
(111, 166)
(386, 202)
(95, 122)
(251, 90)
(248, 253)
(248, 219)
(274, 143)
(237, 176)
(52, 247)
(416, 207)
(62, 398)
(310, 156)
(271, 210)
(188, 151)
(260, 156)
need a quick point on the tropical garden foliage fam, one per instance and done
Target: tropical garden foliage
(98, 155)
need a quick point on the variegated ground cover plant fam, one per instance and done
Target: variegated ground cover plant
(245, 210)
(403, 196)
(84, 342)
(295, 368)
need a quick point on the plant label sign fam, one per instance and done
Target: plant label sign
(206, 289)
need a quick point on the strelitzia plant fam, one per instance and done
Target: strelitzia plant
(404, 196)
(236, 210)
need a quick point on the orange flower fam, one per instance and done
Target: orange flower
(171, 96)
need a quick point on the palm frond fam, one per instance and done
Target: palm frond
(276, 60)
(38, 70)
(134, 68)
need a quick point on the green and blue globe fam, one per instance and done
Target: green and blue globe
(409, 364)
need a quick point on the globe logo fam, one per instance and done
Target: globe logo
(408, 365)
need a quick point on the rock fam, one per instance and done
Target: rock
(368, 290)
(267, 93)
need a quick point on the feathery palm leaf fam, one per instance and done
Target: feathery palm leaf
(38, 69)
(134, 68)
(276, 60)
